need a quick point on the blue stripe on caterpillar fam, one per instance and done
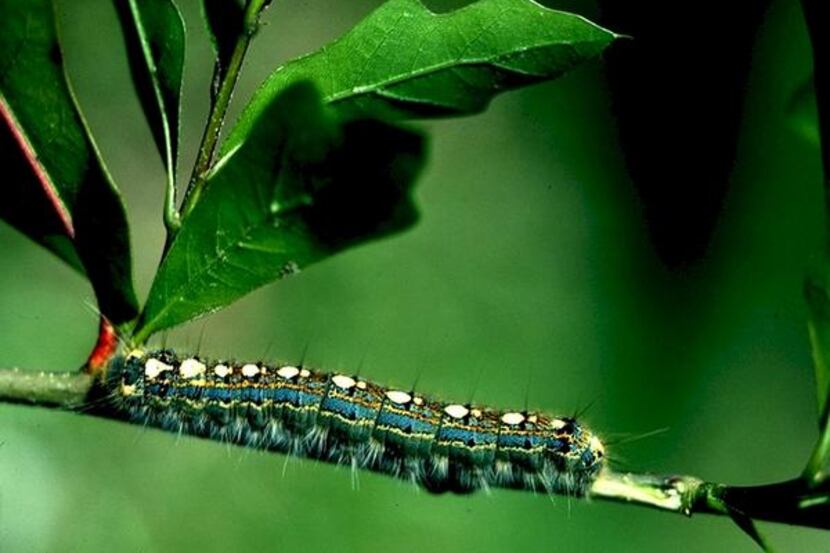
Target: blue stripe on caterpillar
(345, 420)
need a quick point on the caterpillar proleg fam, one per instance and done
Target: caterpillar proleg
(348, 420)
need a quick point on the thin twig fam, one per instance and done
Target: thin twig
(172, 221)
(793, 502)
(65, 390)
(219, 109)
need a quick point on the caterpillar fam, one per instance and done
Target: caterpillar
(342, 419)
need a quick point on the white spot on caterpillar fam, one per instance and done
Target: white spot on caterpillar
(512, 418)
(191, 368)
(475, 412)
(154, 367)
(135, 354)
(418, 401)
(361, 385)
(556, 424)
(222, 370)
(250, 370)
(456, 411)
(532, 419)
(288, 372)
(399, 397)
(343, 381)
(127, 389)
(305, 373)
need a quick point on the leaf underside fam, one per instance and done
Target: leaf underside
(305, 186)
(155, 38)
(304, 175)
(57, 191)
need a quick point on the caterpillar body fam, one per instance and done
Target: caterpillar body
(347, 420)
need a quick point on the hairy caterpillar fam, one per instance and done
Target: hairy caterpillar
(347, 420)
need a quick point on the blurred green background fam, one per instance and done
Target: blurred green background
(530, 278)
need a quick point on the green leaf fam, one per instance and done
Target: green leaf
(802, 111)
(155, 38)
(818, 304)
(818, 27)
(55, 188)
(303, 187)
(225, 22)
(818, 300)
(404, 61)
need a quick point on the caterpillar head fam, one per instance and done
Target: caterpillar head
(576, 446)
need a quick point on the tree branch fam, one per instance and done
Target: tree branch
(792, 502)
(65, 390)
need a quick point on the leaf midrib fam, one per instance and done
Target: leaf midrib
(237, 244)
(418, 74)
